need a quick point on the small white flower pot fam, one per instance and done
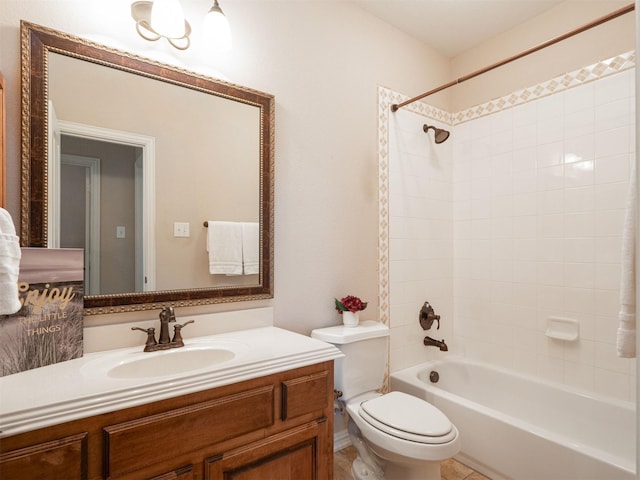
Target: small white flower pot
(350, 319)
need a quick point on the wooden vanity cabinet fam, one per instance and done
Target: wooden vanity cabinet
(275, 427)
(60, 458)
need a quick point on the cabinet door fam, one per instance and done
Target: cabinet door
(63, 459)
(295, 454)
(130, 445)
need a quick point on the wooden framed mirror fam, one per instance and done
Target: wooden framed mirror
(200, 150)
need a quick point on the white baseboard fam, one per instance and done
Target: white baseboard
(341, 440)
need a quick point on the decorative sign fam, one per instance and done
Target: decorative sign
(48, 327)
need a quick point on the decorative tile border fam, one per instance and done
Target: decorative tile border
(562, 82)
(384, 104)
(386, 98)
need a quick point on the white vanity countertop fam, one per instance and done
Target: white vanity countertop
(82, 387)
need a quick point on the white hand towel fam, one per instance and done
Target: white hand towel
(626, 337)
(251, 247)
(224, 244)
(10, 254)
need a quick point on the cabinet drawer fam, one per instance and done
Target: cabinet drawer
(129, 446)
(304, 395)
(63, 459)
(290, 455)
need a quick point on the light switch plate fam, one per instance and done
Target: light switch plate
(120, 232)
(180, 229)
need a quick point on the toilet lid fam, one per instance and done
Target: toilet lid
(407, 417)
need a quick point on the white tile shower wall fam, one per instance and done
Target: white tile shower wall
(539, 192)
(421, 236)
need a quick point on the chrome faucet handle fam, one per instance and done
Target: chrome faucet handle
(151, 337)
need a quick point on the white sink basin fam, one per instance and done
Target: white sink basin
(170, 362)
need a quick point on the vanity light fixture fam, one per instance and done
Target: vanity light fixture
(157, 19)
(215, 29)
(162, 19)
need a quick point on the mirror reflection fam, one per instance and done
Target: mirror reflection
(203, 164)
(165, 183)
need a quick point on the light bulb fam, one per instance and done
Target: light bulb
(167, 18)
(216, 32)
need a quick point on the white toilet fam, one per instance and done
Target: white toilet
(401, 437)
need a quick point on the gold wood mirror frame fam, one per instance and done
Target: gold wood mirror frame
(36, 43)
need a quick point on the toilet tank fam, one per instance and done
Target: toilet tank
(364, 365)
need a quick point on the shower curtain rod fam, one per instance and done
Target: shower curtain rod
(587, 26)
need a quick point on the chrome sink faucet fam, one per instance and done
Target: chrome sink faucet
(167, 315)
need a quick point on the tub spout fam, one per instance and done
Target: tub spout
(432, 342)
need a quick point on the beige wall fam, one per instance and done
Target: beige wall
(594, 45)
(323, 62)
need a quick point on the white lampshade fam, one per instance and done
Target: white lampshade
(167, 18)
(216, 33)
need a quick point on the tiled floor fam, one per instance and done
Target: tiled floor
(449, 470)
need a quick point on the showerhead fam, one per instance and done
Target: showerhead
(439, 134)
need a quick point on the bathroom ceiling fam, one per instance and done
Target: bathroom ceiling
(453, 26)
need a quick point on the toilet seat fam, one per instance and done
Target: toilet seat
(407, 417)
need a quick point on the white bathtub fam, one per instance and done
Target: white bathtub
(518, 427)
